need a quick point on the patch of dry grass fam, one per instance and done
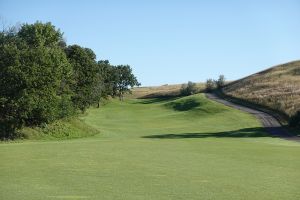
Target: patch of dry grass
(277, 88)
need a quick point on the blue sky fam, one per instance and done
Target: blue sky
(174, 41)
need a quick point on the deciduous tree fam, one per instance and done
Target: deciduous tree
(85, 75)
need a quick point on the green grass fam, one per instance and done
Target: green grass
(69, 128)
(181, 148)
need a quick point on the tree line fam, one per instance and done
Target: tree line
(191, 88)
(43, 79)
(212, 84)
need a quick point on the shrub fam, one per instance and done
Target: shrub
(221, 81)
(210, 85)
(188, 89)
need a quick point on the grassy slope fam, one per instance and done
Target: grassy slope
(277, 88)
(188, 148)
(59, 130)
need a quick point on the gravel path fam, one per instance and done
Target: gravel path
(268, 121)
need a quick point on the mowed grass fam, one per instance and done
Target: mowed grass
(180, 148)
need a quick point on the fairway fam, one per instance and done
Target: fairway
(168, 148)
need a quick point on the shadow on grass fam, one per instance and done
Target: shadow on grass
(157, 100)
(160, 95)
(184, 105)
(170, 102)
(242, 133)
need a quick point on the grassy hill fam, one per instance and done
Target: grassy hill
(277, 88)
(160, 148)
(69, 128)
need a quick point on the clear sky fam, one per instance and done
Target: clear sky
(174, 41)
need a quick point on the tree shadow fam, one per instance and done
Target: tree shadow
(158, 95)
(170, 102)
(241, 133)
(156, 100)
(184, 105)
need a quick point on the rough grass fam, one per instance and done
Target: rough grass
(277, 88)
(150, 149)
(61, 129)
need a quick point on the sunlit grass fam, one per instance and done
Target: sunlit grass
(150, 149)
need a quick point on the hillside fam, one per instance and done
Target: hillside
(277, 88)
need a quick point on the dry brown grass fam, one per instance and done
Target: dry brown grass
(277, 88)
(160, 91)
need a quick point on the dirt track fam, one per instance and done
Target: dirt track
(268, 121)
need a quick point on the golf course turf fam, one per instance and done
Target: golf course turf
(167, 148)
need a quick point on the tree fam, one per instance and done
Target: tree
(42, 80)
(210, 85)
(85, 76)
(188, 89)
(30, 86)
(101, 88)
(32, 81)
(45, 82)
(40, 34)
(107, 77)
(221, 81)
(10, 86)
(46, 72)
(123, 80)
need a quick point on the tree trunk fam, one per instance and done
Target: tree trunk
(121, 97)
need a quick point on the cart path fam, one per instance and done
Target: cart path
(268, 121)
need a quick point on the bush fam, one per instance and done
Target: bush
(210, 85)
(188, 89)
(221, 81)
(295, 120)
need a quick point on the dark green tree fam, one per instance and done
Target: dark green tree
(45, 79)
(105, 81)
(41, 34)
(42, 80)
(32, 81)
(124, 80)
(10, 86)
(85, 76)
